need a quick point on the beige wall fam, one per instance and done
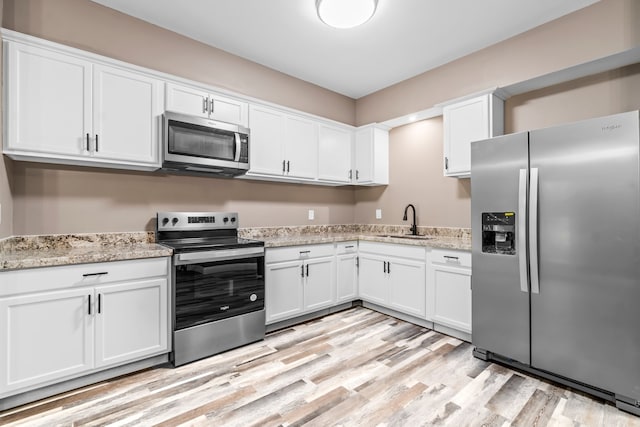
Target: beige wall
(53, 199)
(415, 174)
(68, 200)
(416, 149)
(605, 28)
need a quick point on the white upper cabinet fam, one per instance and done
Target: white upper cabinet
(48, 106)
(371, 159)
(334, 154)
(470, 120)
(63, 108)
(125, 108)
(199, 102)
(282, 144)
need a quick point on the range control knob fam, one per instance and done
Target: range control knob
(253, 297)
(174, 221)
(165, 221)
(225, 219)
(233, 219)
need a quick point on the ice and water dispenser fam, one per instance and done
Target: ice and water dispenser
(499, 233)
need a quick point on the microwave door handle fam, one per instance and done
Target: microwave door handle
(238, 147)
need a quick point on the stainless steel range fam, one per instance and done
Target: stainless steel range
(217, 283)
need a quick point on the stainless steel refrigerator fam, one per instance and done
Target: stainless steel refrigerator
(556, 254)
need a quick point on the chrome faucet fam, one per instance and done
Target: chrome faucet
(414, 226)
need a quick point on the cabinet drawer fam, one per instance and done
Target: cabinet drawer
(292, 253)
(79, 275)
(346, 248)
(391, 249)
(451, 257)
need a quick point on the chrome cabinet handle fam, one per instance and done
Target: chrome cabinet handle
(205, 104)
(88, 148)
(287, 166)
(357, 174)
(350, 173)
(522, 230)
(96, 142)
(211, 106)
(452, 258)
(302, 271)
(89, 312)
(533, 231)
(284, 162)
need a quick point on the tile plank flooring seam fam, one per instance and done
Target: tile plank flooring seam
(353, 368)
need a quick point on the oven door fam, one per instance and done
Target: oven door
(216, 285)
(194, 140)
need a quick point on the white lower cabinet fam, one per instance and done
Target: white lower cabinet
(59, 323)
(451, 276)
(393, 276)
(299, 279)
(347, 272)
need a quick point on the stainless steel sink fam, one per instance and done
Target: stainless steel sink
(407, 236)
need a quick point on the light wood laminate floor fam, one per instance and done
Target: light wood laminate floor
(354, 368)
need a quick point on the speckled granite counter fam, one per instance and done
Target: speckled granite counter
(50, 250)
(435, 237)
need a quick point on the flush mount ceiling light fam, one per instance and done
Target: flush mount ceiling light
(345, 13)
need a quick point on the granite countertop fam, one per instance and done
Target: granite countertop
(21, 252)
(434, 237)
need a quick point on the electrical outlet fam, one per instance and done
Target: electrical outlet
(378, 213)
(312, 215)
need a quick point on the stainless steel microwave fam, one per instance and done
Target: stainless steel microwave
(197, 145)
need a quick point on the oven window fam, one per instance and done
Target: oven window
(193, 140)
(216, 290)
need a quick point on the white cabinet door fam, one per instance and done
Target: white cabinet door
(48, 97)
(373, 280)
(126, 115)
(187, 100)
(407, 287)
(201, 103)
(45, 337)
(301, 147)
(284, 293)
(452, 293)
(266, 154)
(347, 278)
(228, 110)
(474, 119)
(131, 321)
(319, 283)
(371, 160)
(334, 154)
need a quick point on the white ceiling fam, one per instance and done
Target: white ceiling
(404, 38)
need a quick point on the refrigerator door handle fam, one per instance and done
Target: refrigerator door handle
(522, 230)
(533, 231)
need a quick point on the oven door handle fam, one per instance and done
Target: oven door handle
(219, 255)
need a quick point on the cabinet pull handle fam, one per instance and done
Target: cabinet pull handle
(388, 267)
(287, 166)
(307, 270)
(284, 162)
(451, 258)
(302, 270)
(357, 262)
(348, 247)
(89, 312)
(446, 163)
(211, 106)
(99, 303)
(88, 148)
(95, 274)
(350, 173)
(205, 103)
(304, 252)
(357, 174)
(384, 266)
(96, 142)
